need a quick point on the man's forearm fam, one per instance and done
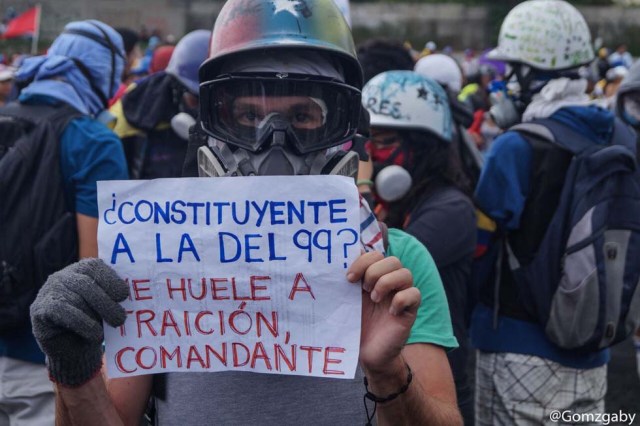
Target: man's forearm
(86, 404)
(414, 406)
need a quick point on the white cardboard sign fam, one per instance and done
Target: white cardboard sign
(241, 273)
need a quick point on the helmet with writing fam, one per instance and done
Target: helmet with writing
(406, 100)
(245, 27)
(544, 34)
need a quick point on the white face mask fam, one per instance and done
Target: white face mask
(393, 182)
(180, 123)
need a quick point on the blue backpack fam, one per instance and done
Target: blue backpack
(581, 281)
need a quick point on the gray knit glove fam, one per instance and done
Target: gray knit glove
(67, 318)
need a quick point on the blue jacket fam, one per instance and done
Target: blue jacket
(501, 193)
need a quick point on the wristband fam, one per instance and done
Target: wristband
(382, 399)
(367, 182)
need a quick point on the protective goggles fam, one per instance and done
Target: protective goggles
(245, 110)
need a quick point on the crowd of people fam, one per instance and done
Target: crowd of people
(505, 185)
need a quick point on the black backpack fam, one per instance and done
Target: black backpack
(37, 226)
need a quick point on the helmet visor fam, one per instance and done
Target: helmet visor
(245, 111)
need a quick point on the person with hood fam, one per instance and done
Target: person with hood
(280, 95)
(521, 374)
(421, 189)
(81, 71)
(152, 115)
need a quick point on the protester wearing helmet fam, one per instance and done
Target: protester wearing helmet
(377, 55)
(74, 80)
(280, 94)
(418, 186)
(153, 116)
(446, 71)
(521, 375)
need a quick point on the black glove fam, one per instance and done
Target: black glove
(67, 318)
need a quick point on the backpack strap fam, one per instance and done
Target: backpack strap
(567, 138)
(624, 135)
(58, 116)
(557, 133)
(536, 130)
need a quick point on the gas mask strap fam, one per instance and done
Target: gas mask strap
(393, 155)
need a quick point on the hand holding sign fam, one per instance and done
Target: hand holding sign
(230, 274)
(389, 308)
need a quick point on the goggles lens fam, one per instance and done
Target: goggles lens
(244, 111)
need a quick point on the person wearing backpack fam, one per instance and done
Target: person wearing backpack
(53, 152)
(151, 114)
(557, 284)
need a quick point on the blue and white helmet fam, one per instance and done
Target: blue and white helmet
(406, 100)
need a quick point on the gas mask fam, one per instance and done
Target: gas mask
(509, 98)
(219, 159)
(392, 180)
(278, 125)
(504, 107)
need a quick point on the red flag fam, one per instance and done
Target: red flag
(24, 24)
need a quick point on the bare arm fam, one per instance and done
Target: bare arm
(389, 309)
(87, 235)
(430, 398)
(112, 401)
